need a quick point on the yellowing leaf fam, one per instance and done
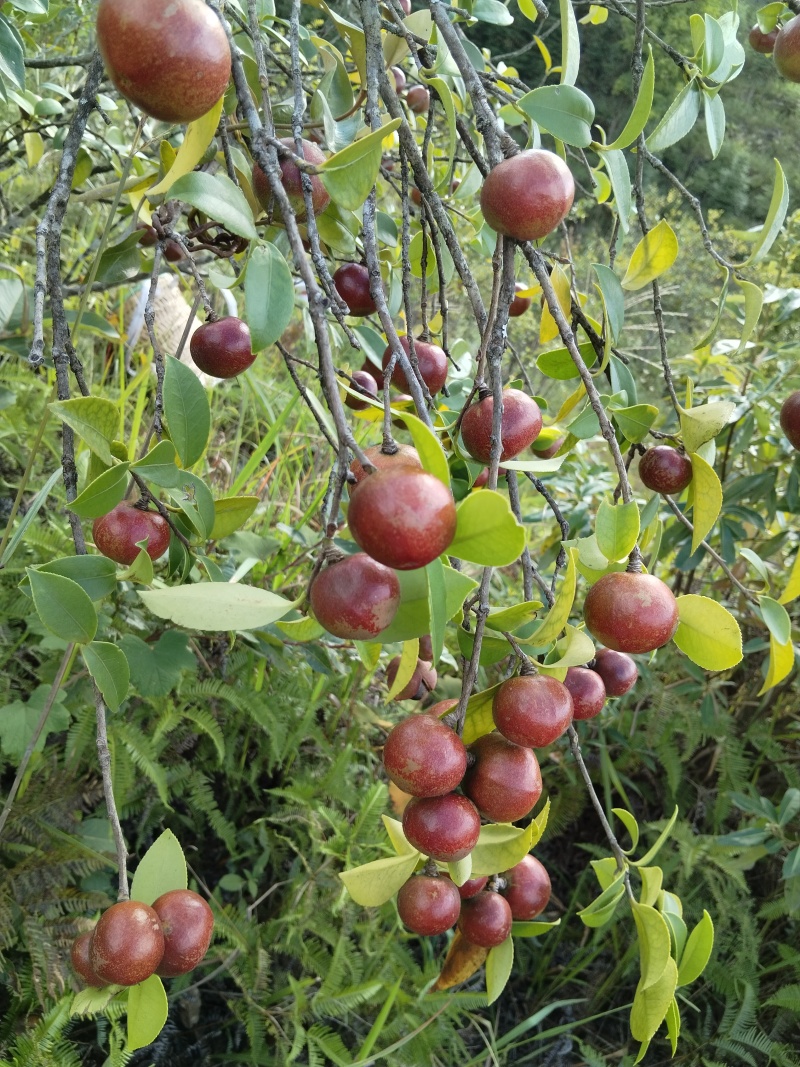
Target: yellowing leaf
(558, 615)
(462, 961)
(375, 883)
(792, 589)
(651, 1003)
(548, 331)
(708, 633)
(406, 668)
(703, 423)
(653, 934)
(199, 135)
(707, 497)
(652, 257)
(781, 663)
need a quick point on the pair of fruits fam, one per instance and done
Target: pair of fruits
(132, 940)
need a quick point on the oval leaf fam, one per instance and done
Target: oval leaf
(218, 198)
(652, 257)
(268, 295)
(617, 529)
(186, 411)
(64, 608)
(107, 665)
(708, 633)
(161, 868)
(216, 606)
(697, 952)
(488, 532)
(147, 1012)
(374, 883)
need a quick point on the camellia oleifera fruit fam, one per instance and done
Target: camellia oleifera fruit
(352, 284)
(355, 598)
(127, 944)
(762, 42)
(617, 671)
(290, 177)
(532, 709)
(424, 757)
(222, 348)
(117, 533)
(431, 360)
(631, 612)
(520, 304)
(504, 782)
(790, 418)
(527, 889)
(587, 691)
(485, 919)
(367, 384)
(786, 51)
(81, 960)
(444, 828)
(528, 195)
(428, 904)
(422, 681)
(665, 470)
(170, 59)
(187, 923)
(521, 425)
(405, 456)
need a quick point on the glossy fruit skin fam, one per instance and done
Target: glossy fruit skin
(424, 757)
(520, 304)
(485, 919)
(116, 534)
(617, 671)
(290, 175)
(406, 6)
(418, 99)
(355, 598)
(425, 650)
(665, 470)
(352, 285)
(428, 904)
(188, 923)
(402, 517)
(587, 691)
(762, 42)
(432, 365)
(528, 889)
(405, 456)
(441, 708)
(631, 612)
(790, 419)
(223, 348)
(444, 828)
(171, 60)
(548, 451)
(472, 887)
(786, 50)
(81, 963)
(504, 782)
(421, 682)
(527, 196)
(365, 380)
(174, 251)
(532, 710)
(377, 374)
(399, 78)
(127, 944)
(521, 425)
(147, 235)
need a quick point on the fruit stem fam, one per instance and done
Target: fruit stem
(635, 565)
(104, 756)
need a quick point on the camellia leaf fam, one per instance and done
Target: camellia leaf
(702, 424)
(753, 303)
(199, 135)
(617, 529)
(511, 618)
(777, 619)
(96, 575)
(706, 497)
(94, 420)
(774, 220)
(651, 1003)
(161, 869)
(107, 665)
(158, 466)
(231, 513)
(602, 908)
(641, 109)
(349, 175)
(103, 494)
(570, 43)
(216, 606)
(64, 608)
(654, 943)
(697, 953)
(673, 1019)
(556, 618)
(792, 590)
(488, 531)
(652, 257)
(708, 633)
(678, 120)
(462, 961)
(268, 295)
(498, 969)
(405, 669)
(186, 411)
(616, 164)
(218, 198)
(428, 446)
(564, 111)
(374, 883)
(781, 663)
(461, 870)
(147, 1012)
(413, 616)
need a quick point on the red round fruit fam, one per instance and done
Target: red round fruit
(171, 60)
(631, 612)
(81, 962)
(504, 782)
(418, 99)
(116, 534)
(665, 470)
(352, 285)
(402, 517)
(786, 50)
(428, 904)
(222, 348)
(405, 456)
(472, 887)
(432, 365)
(587, 691)
(399, 78)
(147, 235)
(547, 451)
(188, 923)
(617, 671)
(532, 709)
(406, 6)
(424, 757)
(520, 304)
(527, 196)
(421, 682)
(485, 919)
(528, 889)
(762, 42)
(444, 828)
(174, 251)
(416, 195)
(377, 373)
(440, 709)
(290, 176)
(483, 477)
(127, 944)
(355, 598)
(790, 418)
(521, 424)
(366, 382)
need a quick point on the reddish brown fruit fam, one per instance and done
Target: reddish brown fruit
(406, 6)
(522, 422)
(665, 470)
(483, 477)
(631, 612)
(364, 380)
(444, 828)
(587, 691)
(418, 99)
(352, 285)
(528, 890)
(398, 77)
(416, 196)
(355, 598)
(188, 923)
(432, 365)
(617, 671)
(127, 944)
(174, 251)
(222, 348)
(790, 414)
(377, 374)
(504, 782)
(147, 235)
(786, 51)
(485, 919)
(405, 456)
(548, 451)
(290, 175)
(762, 42)
(472, 887)
(520, 304)
(532, 710)
(438, 710)
(402, 517)
(425, 650)
(428, 904)
(116, 534)
(171, 60)
(421, 682)
(424, 757)
(81, 963)
(527, 196)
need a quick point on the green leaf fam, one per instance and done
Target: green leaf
(156, 667)
(94, 420)
(216, 196)
(492, 11)
(268, 295)
(375, 883)
(792, 590)
(635, 422)
(652, 257)
(654, 943)
(558, 363)
(18, 722)
(12, 56)
(706, 497)
(405, 668)
(107, 665)
(147, 1012)
(562, 110)
(64, 608)
(630, 824)
(753, 303)
(703, 423)
(479, 719)
(781, 664)
(791, 865)
(216, 606)
(96, 575)
(570, 43)
(572, 650)
(103, 494)
(509, 619)
(708, 633)
(617, 529)
(651, 1004)
(498, 969)
(461, 870)
(437, 606)
(697, 953)
(303, 629)
(774, 220)
(652, 880)
(231, 513)
(199, 135)
(488, 531)
(501, 846)
(613, 297)
(556, 619)
(349, 175)
(429, 447)
(714, 114)
(161, 869)
(120, 262)
(777, 619)
(534, 928)
(616, 165)
(602, 908)
(400, 843)
(641, 109)
(789, 809)
(91, 1001)
(673, 1024)
(413, 616)
(678, 120)
(186, 410)
(194, 498)
(158, 466)
(35, 7)
(652, 852)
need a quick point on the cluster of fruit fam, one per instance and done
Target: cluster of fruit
(132, 940)
(783, 44)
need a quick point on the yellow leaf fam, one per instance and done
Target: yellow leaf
(34, 149)
(199, 135)
(548, 331)
(792, 590)
(708, 633)
(707, 497)
(376, 882)
(406, 668)
(556, 618)
(781, 663)
(655, 254)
